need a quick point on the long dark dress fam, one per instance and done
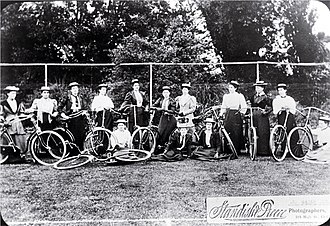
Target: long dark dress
(167, 122)
(141, 116)
(234, 126)
(206, 151)
(261, 122)
(76, 125)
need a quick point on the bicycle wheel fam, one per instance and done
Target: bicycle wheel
(300, 142)
(143, 139)
(73, 162)
(252, 145)
(6, 146)
(100, 141)
(132, 155)
(278, 142)
(229, 143)
(48, 147)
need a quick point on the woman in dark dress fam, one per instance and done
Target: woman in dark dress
(262, 107)
(137, 103)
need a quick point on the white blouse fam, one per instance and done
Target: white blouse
(233, 101)
(280, 103)
(101, 102)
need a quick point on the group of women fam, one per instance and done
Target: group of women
(233, 108)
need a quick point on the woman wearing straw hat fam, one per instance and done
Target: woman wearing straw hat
(73, 103)
(46, 109)
(167, 122)
(186, 105)
(179, 144)
(208, 144)
(233, 105)
(261, 117)
(10, 109)
(102, 104)
(137, 102)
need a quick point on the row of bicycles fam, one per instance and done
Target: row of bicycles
(56, 147)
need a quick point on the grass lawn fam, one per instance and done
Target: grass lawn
(109, 195)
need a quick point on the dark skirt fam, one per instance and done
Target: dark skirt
(77, 127)
(204, 154)
(234, 126)
(261, 122)
(141, 118)
(108, 119)
(167, 124)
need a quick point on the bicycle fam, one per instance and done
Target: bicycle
(46, 147)
(252, 137)
(298, 148)
(144, 137)
(225, 140)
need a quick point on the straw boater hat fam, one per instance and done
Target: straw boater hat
(135, 81)
(11, 88)
(260, 83)
(44, 88)
(183, 122)
(234, 83)
(186, 85)
(102, 85)
(166, 88)
(281, 85)
(326, 119)
(209, 120)
(121, 121)
(73, 84)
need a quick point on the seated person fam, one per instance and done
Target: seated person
(322, 152)
(208, 144)
(179, 145)
(122, 134)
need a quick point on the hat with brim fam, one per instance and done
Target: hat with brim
(186, 85)
(102, 85)
(183, 122)
(166, 88)
(209, 120)
(234, 83)
(44, 88)
(281, 85)
(121, 121)
(11, 88)
(325, 119)
(73, 84)
(260, 83)
(135, 81)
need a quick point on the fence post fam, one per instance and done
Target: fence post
(150, 81)
(46, 75)
(257, 72)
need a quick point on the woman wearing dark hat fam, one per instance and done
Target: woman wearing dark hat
(10, 109)
(261, 117)
(137, 102)
(283, 105)
(46, 109)
(208, 144)
(102, 104)
(70, 104)
(167, 122)
(233, 105)
(186, 105)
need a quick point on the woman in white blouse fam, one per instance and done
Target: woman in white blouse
(103, 104)
(233, 105)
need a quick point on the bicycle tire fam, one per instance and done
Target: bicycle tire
(99, 142)
(278, 138)
(5, 141)
(132, 155)
(65, 133)
(299, 148)
(73, 162)
(229, 143)
(252, 148)
(48, 147)
(143, 139)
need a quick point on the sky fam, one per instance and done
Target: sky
(323, 20)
